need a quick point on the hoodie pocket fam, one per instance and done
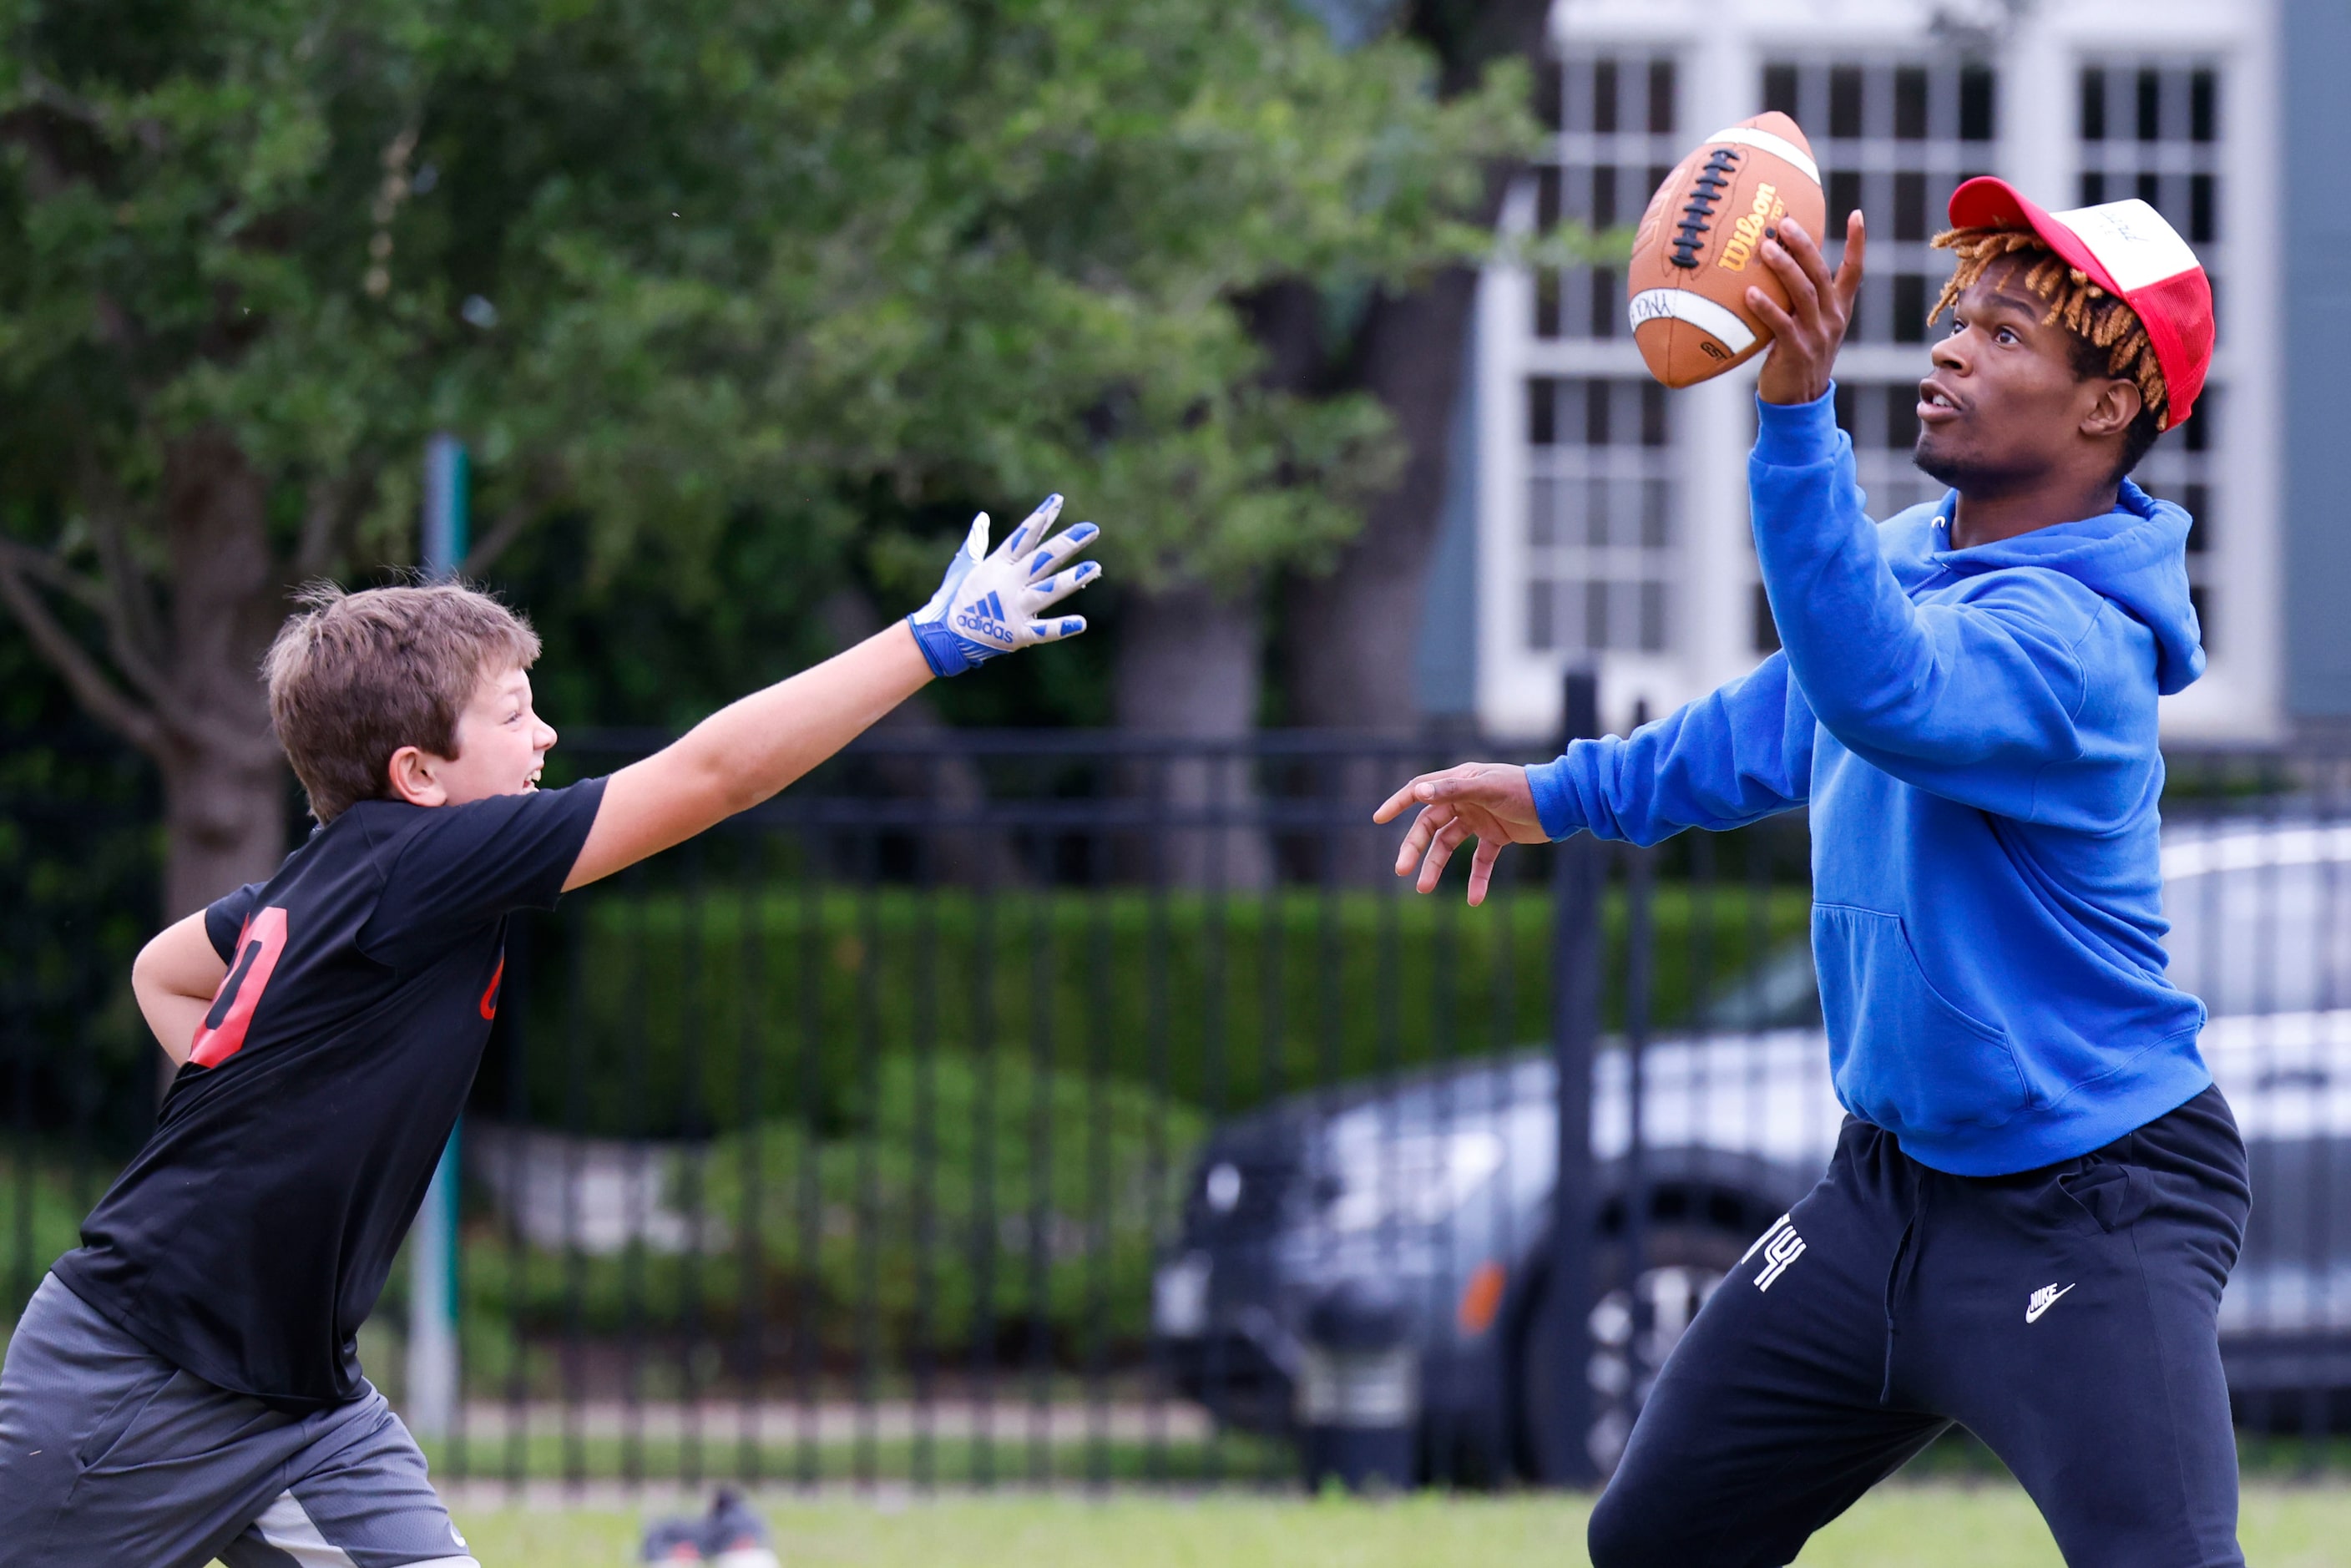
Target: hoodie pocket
(1904, 1056)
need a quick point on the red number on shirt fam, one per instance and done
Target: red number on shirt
(221, 1034)
(490, 995)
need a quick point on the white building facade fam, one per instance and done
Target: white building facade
(1611, 516)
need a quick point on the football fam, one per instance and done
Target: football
(1698, 246)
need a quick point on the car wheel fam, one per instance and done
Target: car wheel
(1681, 1267)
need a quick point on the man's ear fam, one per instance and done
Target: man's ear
(2111, 412)
(412, 774)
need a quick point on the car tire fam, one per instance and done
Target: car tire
(1680, 1268)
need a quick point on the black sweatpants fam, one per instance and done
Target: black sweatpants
(2066, 1316)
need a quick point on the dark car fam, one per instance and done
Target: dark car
(1437, 1186)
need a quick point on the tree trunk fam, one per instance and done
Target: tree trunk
(1190, 664)
(1188, 668)
(1354, 633)
(225, 826)
(224, 804)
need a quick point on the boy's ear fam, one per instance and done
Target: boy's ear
(412, 771)
(2111, 413)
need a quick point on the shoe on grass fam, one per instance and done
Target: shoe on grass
(734, 1536)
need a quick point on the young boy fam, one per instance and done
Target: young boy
(186, 1385)
(2038, 1195)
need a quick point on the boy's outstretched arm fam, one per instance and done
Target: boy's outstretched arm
(749, 750)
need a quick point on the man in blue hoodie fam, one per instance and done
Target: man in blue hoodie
(2038, 1195)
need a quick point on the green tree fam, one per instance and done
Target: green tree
(851, 263)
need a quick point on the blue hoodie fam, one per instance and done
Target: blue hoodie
(1976, 732)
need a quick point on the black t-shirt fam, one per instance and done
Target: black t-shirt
(250, 1238)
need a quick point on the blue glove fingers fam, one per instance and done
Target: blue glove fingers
(1068, 582)
(1057, 630)
(1055, 551)
(1034, 526)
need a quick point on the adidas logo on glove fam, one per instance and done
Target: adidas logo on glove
(985, 619)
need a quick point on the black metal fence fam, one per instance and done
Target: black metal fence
(999, 1108)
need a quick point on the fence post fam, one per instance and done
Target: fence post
(432, 1402)
(1575, 1026)
(433, 1344)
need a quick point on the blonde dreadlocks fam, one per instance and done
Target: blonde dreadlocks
(2100, 320)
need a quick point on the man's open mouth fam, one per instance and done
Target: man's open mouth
(1936, 404)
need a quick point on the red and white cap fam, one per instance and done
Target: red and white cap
(2126, 249)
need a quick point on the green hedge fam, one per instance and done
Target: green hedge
(1006, 1170)
(663, 1015)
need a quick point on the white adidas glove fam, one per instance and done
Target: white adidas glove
(990, 604)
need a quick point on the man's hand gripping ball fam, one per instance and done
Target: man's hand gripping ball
(990, 604)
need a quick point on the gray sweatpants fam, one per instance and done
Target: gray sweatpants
(111, 1456)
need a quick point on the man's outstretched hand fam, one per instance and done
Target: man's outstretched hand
(1489, 802)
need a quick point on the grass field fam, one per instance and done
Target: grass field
(1902, 1526)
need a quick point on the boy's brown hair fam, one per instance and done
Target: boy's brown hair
(353, 677)
(2108, 339)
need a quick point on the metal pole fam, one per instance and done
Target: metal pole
(1640, 972)
(432, 1305)
(448, 505)
(431, 1400)
(1575, 1028)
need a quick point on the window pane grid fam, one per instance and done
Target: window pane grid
(1600, 514)
(2183, 467)
(2153, 128)
(1616, 136)
(1894, 137)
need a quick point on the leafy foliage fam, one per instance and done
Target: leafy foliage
(968, 1195)
(838, 262)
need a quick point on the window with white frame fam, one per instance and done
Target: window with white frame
(1600, 518)
(2152, 129)
(1599, 514)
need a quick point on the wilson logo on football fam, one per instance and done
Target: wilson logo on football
(986, 618)
(1748, 231)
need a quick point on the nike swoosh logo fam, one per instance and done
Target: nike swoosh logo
(2033, 1312)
